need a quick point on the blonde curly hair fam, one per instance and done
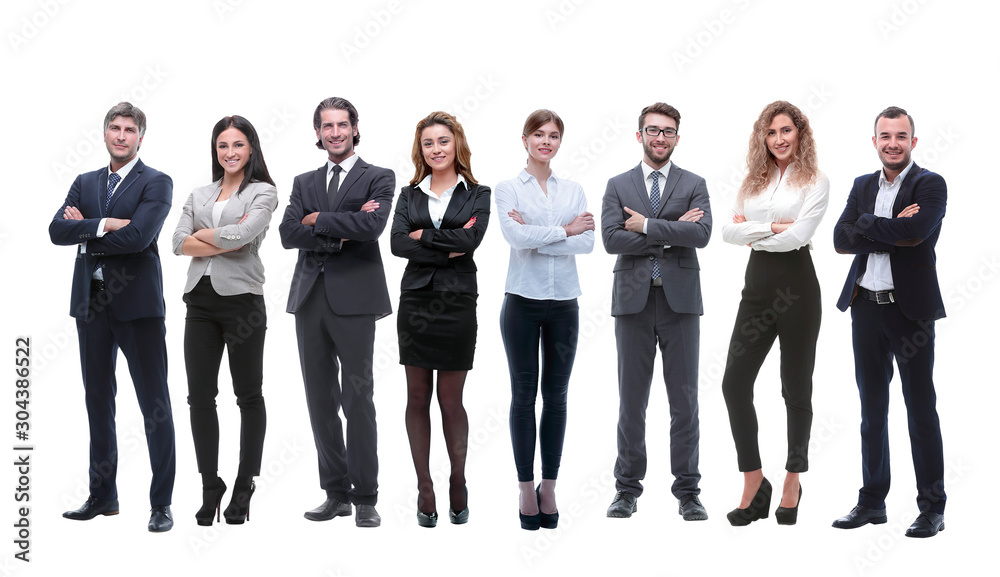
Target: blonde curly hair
(760, 161)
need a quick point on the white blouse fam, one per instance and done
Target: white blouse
(542, 263)
(438, 205)
(779, 202)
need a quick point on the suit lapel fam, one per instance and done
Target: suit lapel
(420, 214)
(639, 183)
(906, 190)
(319, 189)
(133, 176)
(345, 185)
(668, 187)
(459, 198)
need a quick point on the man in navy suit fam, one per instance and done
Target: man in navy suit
(654, 217)
(334, 218)
(115, 214)
(892, 222)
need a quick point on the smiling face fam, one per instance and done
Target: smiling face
(782, 138)
(123, 140)
(336, 134)
(657, 149)
(437, 144)
(233, 150)
(894, 140)
(543, 143)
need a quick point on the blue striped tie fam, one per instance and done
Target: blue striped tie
(654, 199)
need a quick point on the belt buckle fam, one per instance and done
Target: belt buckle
(888, 297)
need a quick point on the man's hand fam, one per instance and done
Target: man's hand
(72, 213)
(693, 215)
(310, 219)
(370, 206)
(634, 222)
(909, 211)
(113, 224)
(581, 224)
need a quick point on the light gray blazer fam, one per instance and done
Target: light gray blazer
(239, 271)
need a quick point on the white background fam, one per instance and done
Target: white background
(187, 64)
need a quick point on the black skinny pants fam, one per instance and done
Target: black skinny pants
(213, 323)
(781, 300)
(555, 324)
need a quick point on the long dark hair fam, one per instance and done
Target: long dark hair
(255, 169)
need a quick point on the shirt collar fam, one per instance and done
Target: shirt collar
(883, 181)
(425, 186)
(346, 165)
(123, 171)
(525, 176)
(647, 169)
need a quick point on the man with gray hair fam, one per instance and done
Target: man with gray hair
(114, 215)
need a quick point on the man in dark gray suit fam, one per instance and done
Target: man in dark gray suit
(653, 218)
(334, 218)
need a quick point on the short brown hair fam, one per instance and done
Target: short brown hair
(128, 111)
(894, 112)
(660, 108)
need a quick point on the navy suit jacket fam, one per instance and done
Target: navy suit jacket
(428, 257)
(908, 241)
(130, 258)
(354, 279)
(679, 267)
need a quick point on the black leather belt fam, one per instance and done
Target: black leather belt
(96, 285)
(880, 297)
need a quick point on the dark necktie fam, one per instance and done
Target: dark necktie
(112, 182)
(654, 200)
(331, 190)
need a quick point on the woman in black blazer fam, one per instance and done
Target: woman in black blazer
(440, 219)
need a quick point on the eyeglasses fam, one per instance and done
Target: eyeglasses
(655, 131)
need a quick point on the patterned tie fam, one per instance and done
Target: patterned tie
(112, 182)
(654, 199)
(331, 191)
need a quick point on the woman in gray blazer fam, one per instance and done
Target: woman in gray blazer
(222, 226)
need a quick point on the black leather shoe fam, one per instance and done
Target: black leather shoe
(160, 519)
(927, 524)
(328, 510)
(367, 516)
(861, 515)
(690, 507)
(623, 506)
(427, 519)
(92, 508)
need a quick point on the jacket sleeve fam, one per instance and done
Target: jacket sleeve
(257, 219)
(399, 235)
(145, 224)
(616, 239)
(185, 226)
(683, 233)
(462, 239)
(295, 235)
(361, 225)
(931, 194)
(846, 238)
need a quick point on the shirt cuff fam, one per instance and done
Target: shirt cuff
(100, 227)
(645, 224)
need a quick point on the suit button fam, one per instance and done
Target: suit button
(651, 257)
(237, 237)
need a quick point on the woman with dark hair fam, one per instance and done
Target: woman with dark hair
(545, 220)
(779, 205)
(222, 226)
(440, 219)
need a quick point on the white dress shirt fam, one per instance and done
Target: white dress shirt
(345, 167)
(438, 205)
(217, 209)
(542, 263)
(779, 202)
(878, 273)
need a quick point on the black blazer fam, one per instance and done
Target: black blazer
(909, 242)
(355, 283)
(130, 256)
(429, 263)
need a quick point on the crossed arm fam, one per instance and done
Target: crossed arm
(623, 235)
(859, 232)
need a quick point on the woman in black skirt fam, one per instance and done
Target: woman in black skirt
(440, 219)
(780, 204)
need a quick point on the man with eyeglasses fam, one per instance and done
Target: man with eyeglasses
(654, 217)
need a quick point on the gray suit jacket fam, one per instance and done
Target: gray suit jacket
(679, 268)
(239, 271)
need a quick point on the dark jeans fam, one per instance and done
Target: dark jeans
(524, 323)
(781, 300)
(214, 323)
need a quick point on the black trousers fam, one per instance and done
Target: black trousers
(781, 300)
(524, 323)
(215, 323)
(143, 343)
(882, 333)
(332, 345)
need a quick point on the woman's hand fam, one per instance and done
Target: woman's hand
(579, 225)
(516, 217)
(739, 218)
(780, 227)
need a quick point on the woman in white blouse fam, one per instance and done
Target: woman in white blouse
(222, 226)
(779, 205)
(545, 220)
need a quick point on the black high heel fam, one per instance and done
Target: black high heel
(788, 515)
(426, 519)
(547, 520)
(239, 506)
(462, 516)
(531, 522)
(211, 505)
(758, 508)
